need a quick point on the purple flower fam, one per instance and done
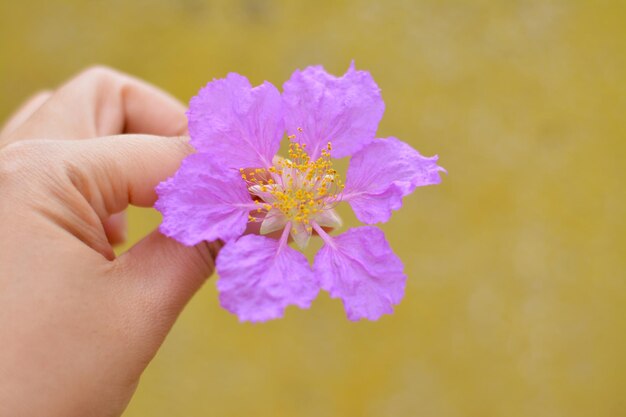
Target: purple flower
(236, 178)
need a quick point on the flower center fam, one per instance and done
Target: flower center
(298, 187)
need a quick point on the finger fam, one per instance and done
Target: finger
(25, 111)
(168, 273)
(115, 171)
(112, 172)
(115, 228)
(100, 102)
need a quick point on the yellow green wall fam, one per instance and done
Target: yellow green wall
(516, 299)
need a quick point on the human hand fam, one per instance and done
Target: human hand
(78, 325)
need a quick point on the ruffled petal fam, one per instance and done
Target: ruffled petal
(359, 267)
(203, 201)
(343, 110)
(240, 125)
(382, 173)
(260, 277)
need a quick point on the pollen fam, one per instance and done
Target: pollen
(298, 186)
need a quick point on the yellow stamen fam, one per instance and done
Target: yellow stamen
(300, 188)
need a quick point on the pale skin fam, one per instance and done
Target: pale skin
(78, 325)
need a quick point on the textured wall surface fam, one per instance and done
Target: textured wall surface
(516, 299)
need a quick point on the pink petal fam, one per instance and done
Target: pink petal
(260, 277)
(202, 201)
(359, 267)
(240, 125)
(343, 110)
(382, 173)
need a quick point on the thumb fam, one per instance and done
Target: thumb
(165, 274)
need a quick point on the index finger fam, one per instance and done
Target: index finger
(104, 102)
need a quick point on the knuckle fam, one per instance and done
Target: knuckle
(101, 75)
(99, 72)
(41, 94)
(18, 154)
(24, 159)
(106, 83)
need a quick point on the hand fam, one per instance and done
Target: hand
(78, 325)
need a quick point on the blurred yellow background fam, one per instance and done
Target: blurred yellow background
(516, 299)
